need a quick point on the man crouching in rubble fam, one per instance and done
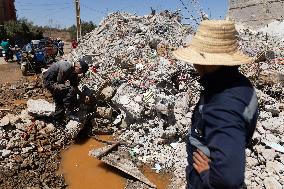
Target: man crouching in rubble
(225, 117)
(62, 80)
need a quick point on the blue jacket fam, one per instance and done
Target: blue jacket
(223, 123)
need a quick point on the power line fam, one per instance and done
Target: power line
(46, 4)
(92, 9)
(46, 9)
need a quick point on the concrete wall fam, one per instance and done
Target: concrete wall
(7, 10)
(256, 13)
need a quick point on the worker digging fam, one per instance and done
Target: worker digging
(186, 98)
(62, 80)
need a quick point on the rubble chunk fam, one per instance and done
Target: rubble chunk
(40, 107)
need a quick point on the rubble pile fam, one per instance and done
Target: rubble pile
(265, 155)
(132, 49)
(29, 146)
(145, 98)
(135, 74)
(257, 42)
(14, 96)
(267, 74)
(30, 152)
(152, 95)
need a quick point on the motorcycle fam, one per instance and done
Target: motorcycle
(32, 62)
(9, 55)
(3, 53)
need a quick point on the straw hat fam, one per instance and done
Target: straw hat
(215, 43)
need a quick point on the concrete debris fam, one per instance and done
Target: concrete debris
(272, 183)
(98, 153)
(108, 93)
(73, 128)
(145, 97)
(127, 166)
(4, 121)
(25, 145)
(275, 146)
(155, 94)
(257, 13)
(104, 112)
(40, 107)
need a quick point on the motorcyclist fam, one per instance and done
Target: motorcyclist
(61, 47)
(62, 80)
(6, 48)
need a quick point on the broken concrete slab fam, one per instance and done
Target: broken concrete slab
(40, 107)
(271, 77)
(124, 100)
(99, 153)
(73, 128)
(272, 183)
(126, 166)
(4, 121)
(108, 93)
(104, 112)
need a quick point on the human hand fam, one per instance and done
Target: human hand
(201, 161)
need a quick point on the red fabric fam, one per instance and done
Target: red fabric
(74, 44)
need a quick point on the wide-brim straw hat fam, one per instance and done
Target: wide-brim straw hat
(215, 43)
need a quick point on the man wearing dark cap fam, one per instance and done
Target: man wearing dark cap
(62, 80)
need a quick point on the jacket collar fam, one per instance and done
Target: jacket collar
(219, 79)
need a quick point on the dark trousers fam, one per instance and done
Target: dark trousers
(61, 51)
(193, 179)
(192, 176)
(65, 101)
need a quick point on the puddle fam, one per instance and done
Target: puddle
(160, 180)
(85, 172)
(19, 102)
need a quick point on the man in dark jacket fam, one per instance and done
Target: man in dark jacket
(62, 80)
(225, 117)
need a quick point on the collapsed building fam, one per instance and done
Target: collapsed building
(256, 13)
(145, 98)
(7, 10)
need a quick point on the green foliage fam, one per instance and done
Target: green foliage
(86, 28)
(21, 29)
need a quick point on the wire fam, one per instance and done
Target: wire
(46, 9)
(47, 4)
(92, 9)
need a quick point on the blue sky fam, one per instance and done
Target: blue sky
(61, 13)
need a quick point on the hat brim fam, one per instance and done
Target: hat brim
(192, 56)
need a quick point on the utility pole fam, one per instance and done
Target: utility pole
(78, 20)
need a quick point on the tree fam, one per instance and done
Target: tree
(86, 27)
(20, 31)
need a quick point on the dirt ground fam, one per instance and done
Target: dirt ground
(9, 72)
(37, 169)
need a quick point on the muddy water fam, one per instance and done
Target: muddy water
(160, 180)
(84, 172)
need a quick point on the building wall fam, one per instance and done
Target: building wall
(256, 13)
(7, 10)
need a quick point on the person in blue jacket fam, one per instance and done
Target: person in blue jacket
(224, 119)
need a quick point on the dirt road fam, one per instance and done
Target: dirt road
(9, 72)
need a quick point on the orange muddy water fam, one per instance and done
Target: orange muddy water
(85, 172)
